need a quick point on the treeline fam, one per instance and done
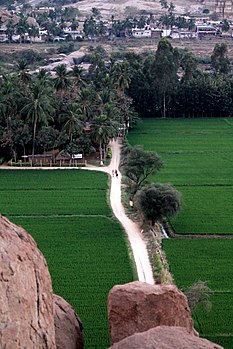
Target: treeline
(169, 83)
(74, 111)
(80, 111)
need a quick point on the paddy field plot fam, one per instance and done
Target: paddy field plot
(208, 260)
(198, 157)
(67, 213)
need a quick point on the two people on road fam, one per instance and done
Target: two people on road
(114, 172)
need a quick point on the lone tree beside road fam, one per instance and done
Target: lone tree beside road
(158, 201)
(138, 166)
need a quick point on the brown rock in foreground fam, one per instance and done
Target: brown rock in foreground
(138, 306)
(26, 303)
(68, 327)
(165, 337)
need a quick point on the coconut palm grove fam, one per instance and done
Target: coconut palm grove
(176, 128)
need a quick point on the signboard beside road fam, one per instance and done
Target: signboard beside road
(77, 156)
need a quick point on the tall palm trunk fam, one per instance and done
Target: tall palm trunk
(101, 155)
(164, 105)
(34, 139)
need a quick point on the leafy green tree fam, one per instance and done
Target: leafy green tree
(225, 26)
(158, 201)
(96, 12)
(188, 63)
(199, 294)
(164, 71)
(219, 59)
(138, 166)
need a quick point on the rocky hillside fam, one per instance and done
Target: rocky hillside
(141, 316)
(122, 8)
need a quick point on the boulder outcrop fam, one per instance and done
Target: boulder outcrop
(138, 306)
(165, 337)
(26, 299)
(68, 326)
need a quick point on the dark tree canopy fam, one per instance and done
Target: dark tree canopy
(157, 201)
(219, 59)
(138, 166)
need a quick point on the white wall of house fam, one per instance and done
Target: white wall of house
(141, 33)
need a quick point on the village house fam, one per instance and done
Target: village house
(141, 32)
(207, 31)
(183, 34)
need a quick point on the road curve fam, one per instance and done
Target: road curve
(135, 238)
(137, 243)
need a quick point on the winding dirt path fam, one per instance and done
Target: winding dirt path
(135, 237)
(132, 230)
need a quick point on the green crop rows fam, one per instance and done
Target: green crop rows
(67, 214)
(209, 260)
(198, 156)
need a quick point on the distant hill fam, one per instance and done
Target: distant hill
(121, 8)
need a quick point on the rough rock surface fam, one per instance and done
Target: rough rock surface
(32, 22)
(26, 301)
(138, 306)
(165, 337)
(68, 327)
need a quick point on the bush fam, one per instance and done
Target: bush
(30, 56)
(109, 153)
(18, 163)
(66, 47)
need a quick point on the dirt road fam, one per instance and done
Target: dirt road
(132, 230)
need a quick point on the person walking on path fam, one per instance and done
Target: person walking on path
(116, 173)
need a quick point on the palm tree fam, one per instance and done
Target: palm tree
(33, 32)
(21, 28)
(121, 76)
(38, 108)
(73, 115)
(43, 75)
(61, 81)
(77, 78)
(10, 29)
(23, 74)
(85, 102)
(102, 131)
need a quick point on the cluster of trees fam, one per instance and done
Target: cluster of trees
(169, 83)
(39, 112)
(52, 21)
(156, 201)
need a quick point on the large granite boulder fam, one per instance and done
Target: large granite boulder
(26, 300)
(68, 327)
(165, 337)
(138, 306)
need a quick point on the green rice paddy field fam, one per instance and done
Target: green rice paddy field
(198, 156)
(67, 213)
(208, 260)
